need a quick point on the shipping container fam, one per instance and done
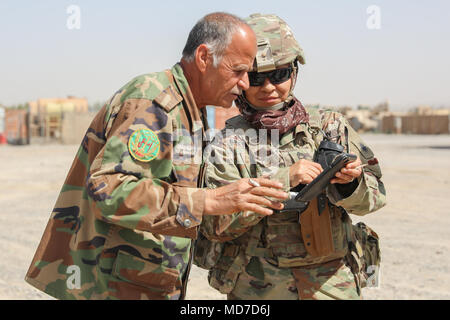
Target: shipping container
(17, 126)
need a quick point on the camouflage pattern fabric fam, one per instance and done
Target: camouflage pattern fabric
(261, 280)
(365, 257)
(276, 43)
(122, 225)
(277, 239)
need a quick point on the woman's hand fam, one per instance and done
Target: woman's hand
(303, 172)
(348, 173)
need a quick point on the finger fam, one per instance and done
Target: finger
(306, 179)
(344, 177)
(339, 181)
(263, 201)
(276, 205)
(316, 165)
(269, 183)
(269, 192)
(257, 209)
(355, 173)
(353, 164)
(314, 170)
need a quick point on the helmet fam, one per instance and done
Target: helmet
(276, 43)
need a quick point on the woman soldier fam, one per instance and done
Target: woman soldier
(290, 254)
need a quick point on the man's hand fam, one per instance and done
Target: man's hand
(243, 196)
(303, 171)
(348, 173)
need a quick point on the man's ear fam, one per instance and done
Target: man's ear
(202, 59)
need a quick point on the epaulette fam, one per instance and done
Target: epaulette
(168, 98)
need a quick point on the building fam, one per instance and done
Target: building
(17, 126)
(46, 115)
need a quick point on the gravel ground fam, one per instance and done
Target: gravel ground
(414, 226)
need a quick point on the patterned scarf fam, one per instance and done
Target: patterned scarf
(283, 120)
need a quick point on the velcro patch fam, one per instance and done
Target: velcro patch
(143, 145)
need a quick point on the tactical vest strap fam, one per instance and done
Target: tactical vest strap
(315, 125)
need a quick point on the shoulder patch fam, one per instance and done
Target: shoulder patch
(143, 145)
(168, 98)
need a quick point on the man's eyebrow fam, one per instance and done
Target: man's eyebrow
(241, 67)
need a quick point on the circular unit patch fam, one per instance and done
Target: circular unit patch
(143, 145)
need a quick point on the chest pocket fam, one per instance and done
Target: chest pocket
(289, 157)
(303, 150)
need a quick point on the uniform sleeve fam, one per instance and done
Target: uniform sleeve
(369, 194)
(225, 164)
(135, 194)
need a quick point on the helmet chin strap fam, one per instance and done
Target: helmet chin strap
(294, 80)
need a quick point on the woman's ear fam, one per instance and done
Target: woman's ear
(202, 57)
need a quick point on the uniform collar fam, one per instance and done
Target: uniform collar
(197, 116)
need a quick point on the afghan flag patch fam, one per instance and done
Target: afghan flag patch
(143, 145)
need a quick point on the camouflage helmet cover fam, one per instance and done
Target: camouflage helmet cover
(276, 43)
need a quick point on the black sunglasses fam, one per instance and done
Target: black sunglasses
(276, 76)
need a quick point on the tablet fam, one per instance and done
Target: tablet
(315, 187)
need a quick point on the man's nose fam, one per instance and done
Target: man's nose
(244, 83)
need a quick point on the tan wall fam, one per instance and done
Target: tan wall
(74, 126)
(391, 124)
(421, 124)
(416, 124)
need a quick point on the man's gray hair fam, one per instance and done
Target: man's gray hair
(216, 31)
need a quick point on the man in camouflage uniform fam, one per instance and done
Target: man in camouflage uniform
(286, 255)
(123, 222)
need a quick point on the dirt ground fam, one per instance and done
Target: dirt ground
(414, 227)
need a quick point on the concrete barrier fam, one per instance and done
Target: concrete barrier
(416, 124)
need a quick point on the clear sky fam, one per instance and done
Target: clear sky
(406, 61)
